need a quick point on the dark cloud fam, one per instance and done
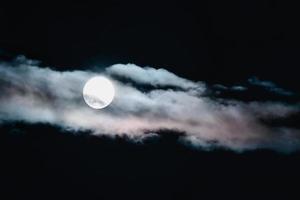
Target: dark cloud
(270, 86)
(35, 94)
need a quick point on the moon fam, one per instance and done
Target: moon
(98, 92)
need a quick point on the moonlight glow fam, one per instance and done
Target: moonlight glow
(98, 92)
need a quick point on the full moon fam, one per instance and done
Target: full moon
(98, 92)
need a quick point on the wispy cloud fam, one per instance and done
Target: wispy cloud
(270, 86)
(231, 88)
(36, 94)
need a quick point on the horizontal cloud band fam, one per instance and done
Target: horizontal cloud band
(36, 94)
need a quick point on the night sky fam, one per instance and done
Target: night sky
(245, 51)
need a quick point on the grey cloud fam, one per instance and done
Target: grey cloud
(238, 88)
(268, 85)
(232, 88)
(35, 94)
(221, 87)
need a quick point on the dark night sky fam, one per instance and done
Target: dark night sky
(209, 40)
(212, 41)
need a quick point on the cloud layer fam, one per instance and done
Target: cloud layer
(36, 94)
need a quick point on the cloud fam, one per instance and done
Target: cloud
(155, 77)
(238, 88)
(270, 86)
(35, 94)
(232, 88)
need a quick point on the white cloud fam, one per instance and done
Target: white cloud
(152, 76)
(34, 94)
